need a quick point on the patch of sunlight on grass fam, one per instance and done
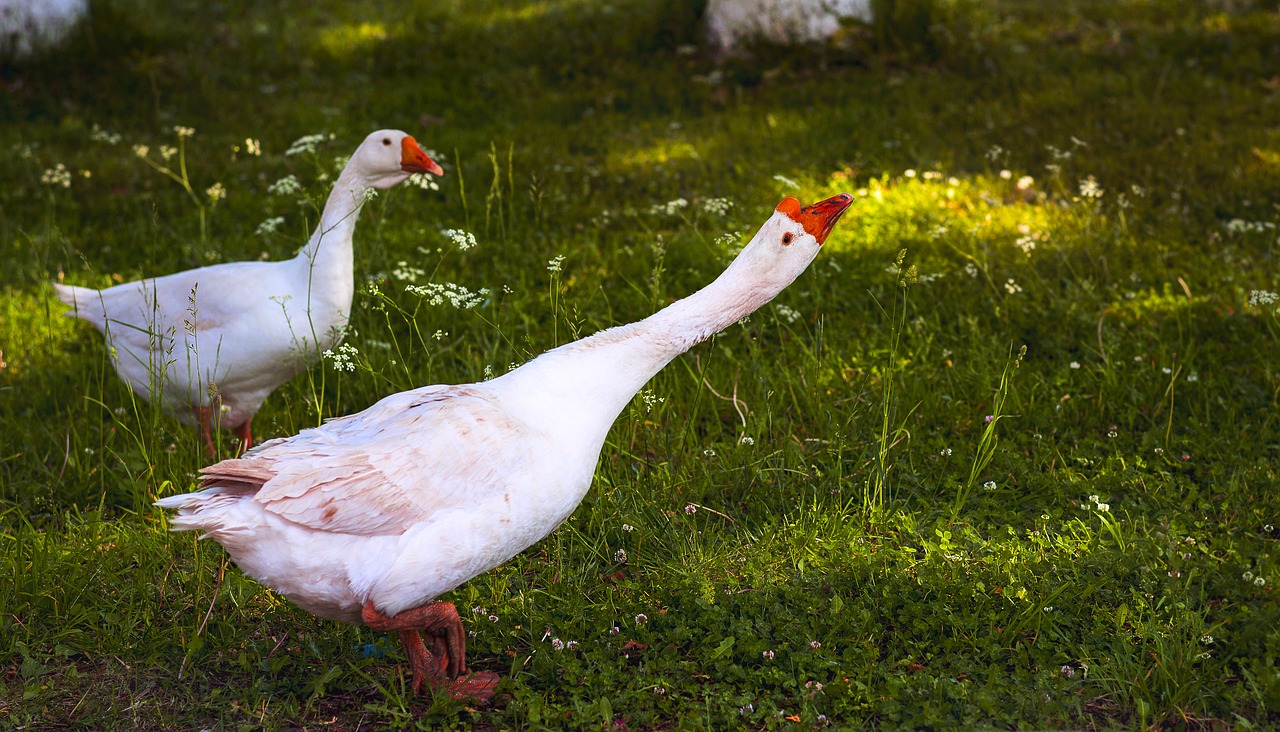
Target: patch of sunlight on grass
(1150, 304)
(352, 38)
(661, 153)
(512, 13)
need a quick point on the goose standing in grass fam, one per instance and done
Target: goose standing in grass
(218, 340)
(370, 517)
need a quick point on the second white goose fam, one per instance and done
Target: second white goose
(216, 341)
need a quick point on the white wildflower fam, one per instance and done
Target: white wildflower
(557, 644)
(252, 146)
(141, 150)
(305, 144)
(990, 485)
(717, 206)
(100, 135)
(1262, 298)
(286, 186)
(168, 151)
(1012, 287)
(1025, 182)
(670, 208)
(58, 175)
(620, 556)
(746, 440)
(1075, 364)
(216, 192)
(463, 240)
(183, 132)
(270, 226)
(1089, 188)
(690, 509)
(456, 295)
(404, 271)
(785, 181)
(425, 181)
(628, 528)
(786, 313)
(768, 655)
(556, 263)
(641, 619)
(1006, 175)
(343, 358)
(650, 400)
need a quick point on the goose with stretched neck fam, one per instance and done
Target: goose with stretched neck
(371, 517)
(212, 343)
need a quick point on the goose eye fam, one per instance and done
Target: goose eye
(786, 238)
(386, 141)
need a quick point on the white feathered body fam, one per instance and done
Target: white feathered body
(244, 327)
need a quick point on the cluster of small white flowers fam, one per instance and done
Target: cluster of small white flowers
(1257, 581)
(366, 193)
(216, 192)
(286, 186)
(307, 144)
(252, 146)
(786, 313)
(556, 263)
(463, 240)
(557, 644)
(690, 509)
(1012, 287)
(167, 152)
(747, 440)
(628, 528)
(641, 619)
(141, 150)
(971, 269)
(424, 181)
(404, 271)
(767, 655)
(784, 180)
(100, 135)
(650, 400)
(183, 132)
(1099, 505)
(457, 295)
(946, 452)
(620, 556)
(994, 152)
(58, 175)
(270, 226)
(717, 206)
(990, 485)
(1262, 298)
(440, 335)
(1074, 364)
(1240, 226)
(1025, 182)
(1089, 188)
(343, 359)
(670, 208)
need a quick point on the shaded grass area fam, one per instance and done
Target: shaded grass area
(731, 567)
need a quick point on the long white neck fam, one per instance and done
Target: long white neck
(580, 388)
(329, 250)
(326, 262)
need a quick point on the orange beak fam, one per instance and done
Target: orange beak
(413, 160)
(820, 218)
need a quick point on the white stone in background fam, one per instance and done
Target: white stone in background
(784, 22)
(27, 26)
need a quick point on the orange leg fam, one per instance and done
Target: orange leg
(204, 418)
(445, 665)
(246, 437)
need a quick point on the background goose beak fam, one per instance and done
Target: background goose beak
(413, 160)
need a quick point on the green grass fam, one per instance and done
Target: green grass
(815, 497)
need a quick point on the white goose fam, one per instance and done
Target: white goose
(370, 517)
(218, 340)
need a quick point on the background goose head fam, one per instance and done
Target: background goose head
(388, 157)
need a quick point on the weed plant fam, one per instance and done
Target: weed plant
(1038, 489)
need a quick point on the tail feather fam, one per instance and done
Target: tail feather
(85, 302)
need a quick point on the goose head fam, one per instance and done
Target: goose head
(388, 157)
(783, 248)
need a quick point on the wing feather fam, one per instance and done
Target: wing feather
(381, 471)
